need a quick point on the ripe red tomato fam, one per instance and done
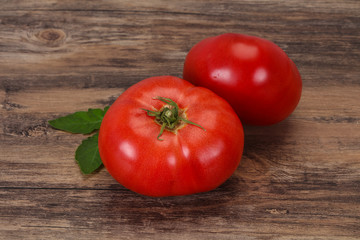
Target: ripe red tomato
(188, 157)
(254, 75)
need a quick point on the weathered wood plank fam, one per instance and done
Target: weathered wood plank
(299, 179)
(300, 145)
(56, 214)
(146, 42)
(220, 7)
(58, 100)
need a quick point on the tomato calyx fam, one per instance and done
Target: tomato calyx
(170, 117)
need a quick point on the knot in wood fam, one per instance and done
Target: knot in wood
(51, 37)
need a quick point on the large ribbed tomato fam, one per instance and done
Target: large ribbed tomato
(254, 75)
(200, 147)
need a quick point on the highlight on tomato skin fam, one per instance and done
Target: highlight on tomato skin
(195, 153)
(254, 75)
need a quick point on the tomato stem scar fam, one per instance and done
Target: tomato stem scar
(169, 117)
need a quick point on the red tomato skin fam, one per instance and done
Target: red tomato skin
(190, 161)
(254, 75)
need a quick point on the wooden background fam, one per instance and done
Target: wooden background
(299, 179)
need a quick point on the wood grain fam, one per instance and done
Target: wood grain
(298, 179)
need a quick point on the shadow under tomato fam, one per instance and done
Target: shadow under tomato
(239, 197)
(266, 149)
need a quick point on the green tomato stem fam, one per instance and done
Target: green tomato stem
(168, 117)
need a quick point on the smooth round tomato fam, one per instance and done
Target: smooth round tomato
(254, 75)
(163, 137)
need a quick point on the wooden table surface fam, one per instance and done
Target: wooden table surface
(299, 179)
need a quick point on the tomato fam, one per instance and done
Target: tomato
(195, 153)
(254, 75)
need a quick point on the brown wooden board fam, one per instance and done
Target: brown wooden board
(299, 179)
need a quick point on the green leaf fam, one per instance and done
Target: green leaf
(80, 122)
(87, 154)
